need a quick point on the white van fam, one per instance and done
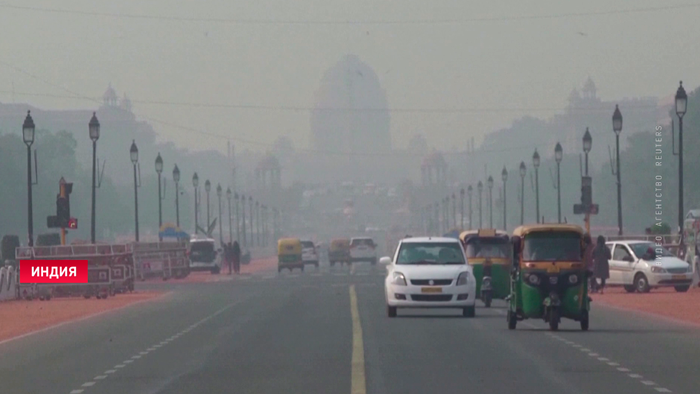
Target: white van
(204, 256)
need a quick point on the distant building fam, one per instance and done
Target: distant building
(349, 114)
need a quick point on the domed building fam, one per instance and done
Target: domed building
(349, 113)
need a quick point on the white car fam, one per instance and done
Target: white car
(309, 255)
(429, 272)
(632, 268)
(203, 255)
(363, 249)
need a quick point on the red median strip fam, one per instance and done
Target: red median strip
(662, 302)
(21, 318)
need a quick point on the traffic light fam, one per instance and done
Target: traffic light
(63, 211)
(586, 191)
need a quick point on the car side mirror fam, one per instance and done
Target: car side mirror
(385, 260)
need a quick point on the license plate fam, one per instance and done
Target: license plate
(431, 290)
(678, 277)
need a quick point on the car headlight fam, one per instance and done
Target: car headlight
(533, 279)
(462, 279)
(657, 270)
(573, 279)
(486, 282)
(398, 278)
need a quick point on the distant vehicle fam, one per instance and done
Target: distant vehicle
(204, 256)
(429, 273)
(363, 249)
(339, 251)
(635, 270)
(309, 254)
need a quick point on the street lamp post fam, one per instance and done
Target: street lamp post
(489, 183)
(617, 128)
(195, 183)
(176, 179)
(437, 217)
(504, 178)
(207, 188)
(522, 192)
(243, 230)
(470, 192)
(238, 218)
(28, 137)
(681, 107)
(218, 195)
(587, 144)
(480, 188)
(94, 132)
(230, 224)
(536, 164)
(454, 210)
(159, 170)
(461, 208)
(250, 206)
(558, 154)
(134, 153)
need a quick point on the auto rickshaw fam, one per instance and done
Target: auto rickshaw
(489, 253)
(339, 251)
(289, 254)
(549, 279)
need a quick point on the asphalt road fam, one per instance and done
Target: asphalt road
(328, 333)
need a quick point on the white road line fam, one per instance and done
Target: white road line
(583, 349)
(127, 361)
(648, 382)
(612, 364)
(593, 354)
(119, 366)
(76, 391)
(100, 377)
(136, 357)
(88, 384)
(143, 353)
(111, 371)
(623, 369)
(576, 345)
(662, 390)
(635, 376)
(603, 359)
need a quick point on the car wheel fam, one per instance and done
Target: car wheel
(512, 320)
(682, 289)
(630, 288)
(391, 311)
(469, 311)
(641, 283)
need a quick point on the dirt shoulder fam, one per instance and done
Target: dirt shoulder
(662, 302)
(20, 318)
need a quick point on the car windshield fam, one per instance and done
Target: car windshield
(307, 244)
(430, 253)
(641, 248)
(552, 246)
(488, 247)
(362, 241)
(202, 252)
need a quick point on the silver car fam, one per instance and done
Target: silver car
(634, 269)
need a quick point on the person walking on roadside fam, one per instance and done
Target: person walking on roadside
(228, 256)
(588, 261)
(601, 262)
(236, 255)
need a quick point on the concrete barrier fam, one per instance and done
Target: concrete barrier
(8, 283)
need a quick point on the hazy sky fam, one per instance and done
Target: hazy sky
(484, 59)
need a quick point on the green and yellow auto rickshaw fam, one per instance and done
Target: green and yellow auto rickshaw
(489, 253)
(289, 254)
(339, 251)
(549, 280)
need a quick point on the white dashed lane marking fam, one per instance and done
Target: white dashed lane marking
(150, 349)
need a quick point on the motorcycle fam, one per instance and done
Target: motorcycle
(486, 287)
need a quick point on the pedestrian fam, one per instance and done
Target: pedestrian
(588, 261)
(601, 262)
(236, 254)
(228, 256)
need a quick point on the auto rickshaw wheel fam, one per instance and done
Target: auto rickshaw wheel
(553, 319)
(487, 301)
(512, 320)
(469, 311)
(584, 320)
(391, 311)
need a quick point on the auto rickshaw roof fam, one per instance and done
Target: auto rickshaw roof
(482, 233)
(522, 231)
(283, 241)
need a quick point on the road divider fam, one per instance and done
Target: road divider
(358, 382)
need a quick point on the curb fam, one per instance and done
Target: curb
(668, 319)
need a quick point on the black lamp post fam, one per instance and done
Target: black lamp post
(454, 210)
(257, 224)
(617, 128)
(159, 171)
(243, 230)
(461, 208)
(681, 107)
(230, 225)
(207, 188)
(587, 144)
(218, 195)
(134, 152)
(252, 229)
(480, 188)
(195, 183)
(28, 137)
(504, 178)
(94, 132)
(536, 164)
(176, 179)
(558, 154)
(522, 192)
(470, 192)
(437, 216)
(489, 184)
(238, 219)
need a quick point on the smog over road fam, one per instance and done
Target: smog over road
(329, 197)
